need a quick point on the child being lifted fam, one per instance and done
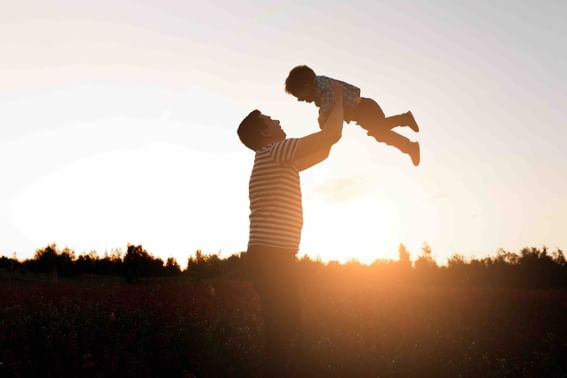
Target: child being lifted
(305, 85)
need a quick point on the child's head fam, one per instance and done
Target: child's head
(300, 83)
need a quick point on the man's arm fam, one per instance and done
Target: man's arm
(327, 103)
(320, 143)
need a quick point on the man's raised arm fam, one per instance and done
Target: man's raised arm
(319, 143)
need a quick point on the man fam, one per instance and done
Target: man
(276, 219)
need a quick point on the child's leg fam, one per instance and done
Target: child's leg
(402, 143)
(391, 138)
(368, 115)
(404, 119)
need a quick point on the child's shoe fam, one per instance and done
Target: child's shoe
(414, 153)
(411, 122)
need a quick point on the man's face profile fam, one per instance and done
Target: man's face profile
(272, 129)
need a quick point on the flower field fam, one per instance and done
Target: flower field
(182, 328)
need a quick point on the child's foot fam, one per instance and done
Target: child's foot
(411, 122)
(414, 153)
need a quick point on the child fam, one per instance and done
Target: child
(305, 85)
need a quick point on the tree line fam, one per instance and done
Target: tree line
(529, 268)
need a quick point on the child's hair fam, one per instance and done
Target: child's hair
(298, 78)
(249, 130)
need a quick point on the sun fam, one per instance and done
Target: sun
(363, 228)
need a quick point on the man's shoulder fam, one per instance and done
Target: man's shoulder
(278, 150)
(278, 143)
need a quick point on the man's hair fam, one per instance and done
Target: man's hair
(298, 78)
(249, 130)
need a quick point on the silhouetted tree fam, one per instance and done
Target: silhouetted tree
(234, 267)
(51, 260)
(532, 267)
(45, 260)
(202, 266)
(425, 260)
(404, 256)
(403, 265)
(139, 263)
(172, 267)
(457, 271)
(559, 257)
(9, 264)
(111, 263)
(87, 263)
(65, 263)
(536, 267)
(425, 265)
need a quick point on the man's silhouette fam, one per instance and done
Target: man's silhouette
(276, 219)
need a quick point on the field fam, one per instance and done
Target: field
(101, 327)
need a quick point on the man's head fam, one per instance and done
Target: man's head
(258, 130)
(300, 83)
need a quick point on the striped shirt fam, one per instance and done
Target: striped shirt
(325, 97)
(276, 213)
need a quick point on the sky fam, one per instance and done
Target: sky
(118, 124)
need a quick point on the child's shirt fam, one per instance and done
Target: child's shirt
(325, 97)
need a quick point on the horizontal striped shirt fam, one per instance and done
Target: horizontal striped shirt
(325, 97)
(276, 213)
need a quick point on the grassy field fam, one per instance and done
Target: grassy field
(174, 327)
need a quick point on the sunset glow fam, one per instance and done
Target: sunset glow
(118, 125)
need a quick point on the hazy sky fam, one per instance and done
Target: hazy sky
(118, 124)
